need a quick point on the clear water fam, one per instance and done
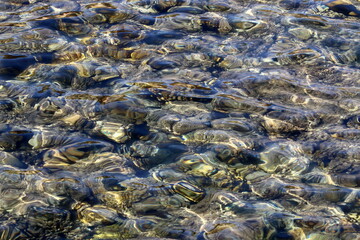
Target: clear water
(174, 119)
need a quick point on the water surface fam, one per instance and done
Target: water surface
(179, 119)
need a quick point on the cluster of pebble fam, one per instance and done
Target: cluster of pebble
(179, 119)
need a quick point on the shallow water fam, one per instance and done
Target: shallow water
(174, 119)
